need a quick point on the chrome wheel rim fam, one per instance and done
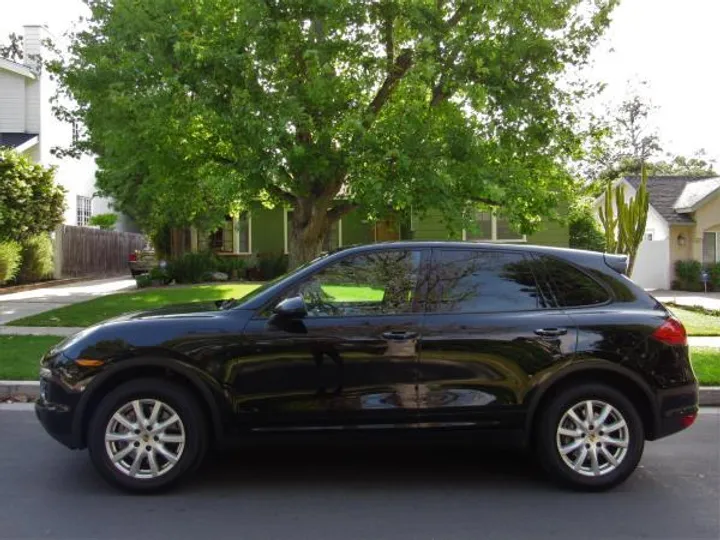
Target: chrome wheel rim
(593, 438)
(145, 439)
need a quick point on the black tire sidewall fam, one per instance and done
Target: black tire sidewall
(177, 397)
(549, 455)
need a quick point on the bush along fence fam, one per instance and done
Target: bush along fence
(82, 251)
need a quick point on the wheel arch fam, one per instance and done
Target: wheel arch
(205, 391)
(597, 371)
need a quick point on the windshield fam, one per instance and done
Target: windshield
(265, 286)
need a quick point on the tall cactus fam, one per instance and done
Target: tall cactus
(624, 230)
(608, 220)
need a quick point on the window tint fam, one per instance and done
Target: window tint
(379, 283)
(474, 281)
(572, 287)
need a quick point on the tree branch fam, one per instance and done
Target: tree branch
(280, 193)
(389, 42)
(459, 14)
(342, 209)
(400, 67)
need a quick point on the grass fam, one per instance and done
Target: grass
(697, 324)
(104, 307)
(706, 363)
(20, 356)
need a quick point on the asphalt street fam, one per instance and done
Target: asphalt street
(289, 492)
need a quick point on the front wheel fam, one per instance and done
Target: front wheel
(590, 437)
(146, 435)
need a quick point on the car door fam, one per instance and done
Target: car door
(487, 336)
(351, 360)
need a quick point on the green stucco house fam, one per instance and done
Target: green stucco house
(265, 231)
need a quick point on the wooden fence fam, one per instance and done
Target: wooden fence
(82, 251)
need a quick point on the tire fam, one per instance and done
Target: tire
(176, 450)
(590, 475)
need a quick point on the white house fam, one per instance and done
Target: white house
(28, 125)
(683, 223)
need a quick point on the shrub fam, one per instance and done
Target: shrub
(271, 265)
(105, 221)
(192, 267)
(30, 201)
(233, 266)
(585, 232)
(37, 259)
(9, 260)
(143, 280)
(687, 274)
(714, 270)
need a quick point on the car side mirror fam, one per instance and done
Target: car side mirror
(291, 308)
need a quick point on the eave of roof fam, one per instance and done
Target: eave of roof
(19, 69)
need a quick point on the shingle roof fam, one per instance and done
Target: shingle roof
(13, 140)
(664, 193)
(695, 192)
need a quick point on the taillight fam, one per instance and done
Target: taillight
(688, 420)
(671, 332)
(132, 257)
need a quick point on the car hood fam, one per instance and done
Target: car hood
(198, 309)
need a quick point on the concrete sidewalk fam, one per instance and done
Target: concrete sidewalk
(23, 304)
(709, 300)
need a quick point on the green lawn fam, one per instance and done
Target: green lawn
(706, 363)
(104, 307)
(20, 356)
(697, 324)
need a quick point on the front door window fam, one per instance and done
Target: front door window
(377, 283)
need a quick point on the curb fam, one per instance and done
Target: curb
(709, 395)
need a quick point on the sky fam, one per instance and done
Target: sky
(669, 45)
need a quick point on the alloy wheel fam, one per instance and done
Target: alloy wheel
(145, 438)
(593, 438)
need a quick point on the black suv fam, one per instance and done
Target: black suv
(555, 347)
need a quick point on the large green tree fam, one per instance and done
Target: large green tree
(329, 105)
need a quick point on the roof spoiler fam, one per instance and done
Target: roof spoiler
(619, 263)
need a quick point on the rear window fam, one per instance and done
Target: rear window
(573, 287)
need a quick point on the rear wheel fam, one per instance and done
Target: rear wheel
(146, 435)
(590, 437)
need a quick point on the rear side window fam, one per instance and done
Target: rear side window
(474, 281)
(572, 287)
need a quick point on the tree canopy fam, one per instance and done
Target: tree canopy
(30, 201)
(328, 106)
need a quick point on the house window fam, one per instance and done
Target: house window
(84, 210)
(649, 233)
(244, 228)
(488, 227)
(222, 238)
(333, 239)
(710, 247)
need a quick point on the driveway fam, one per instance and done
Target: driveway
(25, 303)
(360, 492)
(709, 300)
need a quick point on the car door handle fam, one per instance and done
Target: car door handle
(399, 336)
(551, 332)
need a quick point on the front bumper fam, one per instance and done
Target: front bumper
(677, 409)
(55, 409)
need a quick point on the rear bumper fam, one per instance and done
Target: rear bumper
(677, 408)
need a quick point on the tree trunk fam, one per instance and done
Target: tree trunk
(307, 229)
